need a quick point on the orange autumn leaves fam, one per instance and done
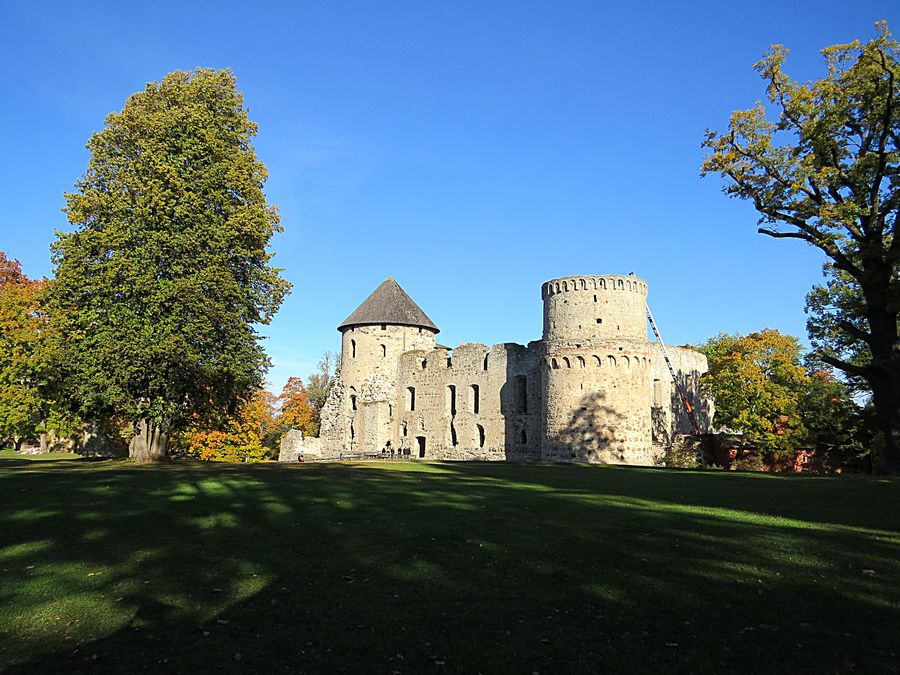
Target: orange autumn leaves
(253, 433)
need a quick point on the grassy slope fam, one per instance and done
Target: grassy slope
(109, 567)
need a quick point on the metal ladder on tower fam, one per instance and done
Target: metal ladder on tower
(679, 387)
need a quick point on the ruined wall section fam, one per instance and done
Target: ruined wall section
(596, 370)
(474, 403)
(668, 414)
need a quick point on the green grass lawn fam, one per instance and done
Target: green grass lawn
(418, 568)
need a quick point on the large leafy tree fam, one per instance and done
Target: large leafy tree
(827, 172)
(160, 285)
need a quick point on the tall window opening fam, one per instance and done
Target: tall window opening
(523, 437)
(353, 349)
(411, 398)
(521, 394)
(383, 351)
(453, 440)
(480, 435)
(473, 395)
(451, 399)
(485, 365)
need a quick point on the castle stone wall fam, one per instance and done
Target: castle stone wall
(472, 403)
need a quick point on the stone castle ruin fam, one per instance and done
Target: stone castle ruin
(593, 389)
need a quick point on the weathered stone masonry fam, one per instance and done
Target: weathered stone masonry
(593, 389)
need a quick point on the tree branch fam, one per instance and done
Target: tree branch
(858, 333)
(850, 368)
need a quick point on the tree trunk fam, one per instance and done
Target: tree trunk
(887, 419)
(884, 371)
(149, 444)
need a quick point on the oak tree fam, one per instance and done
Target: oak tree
(826, 171)
(161, 284)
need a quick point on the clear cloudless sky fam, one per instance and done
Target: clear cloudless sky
(470, 149)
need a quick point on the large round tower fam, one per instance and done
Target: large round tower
(387, 324)
(597, 381)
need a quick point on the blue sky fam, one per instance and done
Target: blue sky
(471, 150)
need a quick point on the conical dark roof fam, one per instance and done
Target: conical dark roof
(389, 304)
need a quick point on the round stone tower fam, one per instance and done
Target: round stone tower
(597, 377)
(387, 324)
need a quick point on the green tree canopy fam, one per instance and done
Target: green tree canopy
(165, 275)
(827, 172)
(758, 384)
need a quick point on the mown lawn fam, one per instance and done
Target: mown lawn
(418, 568)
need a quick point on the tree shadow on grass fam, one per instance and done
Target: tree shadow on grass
(454, 567)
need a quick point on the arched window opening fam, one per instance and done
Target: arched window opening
(567, 362)
(352, 401)
(451, 399)
(485, 364)
(352, 349)
(474, 396)
(611, 360)
(626, 361)
(424, 364)
(581, 362)
(403, 429)
(554, 364)
(597, 361)
(480, 435)
(583, 284)
(383, 351)
(411, 398)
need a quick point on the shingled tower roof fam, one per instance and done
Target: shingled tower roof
(389, 304)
